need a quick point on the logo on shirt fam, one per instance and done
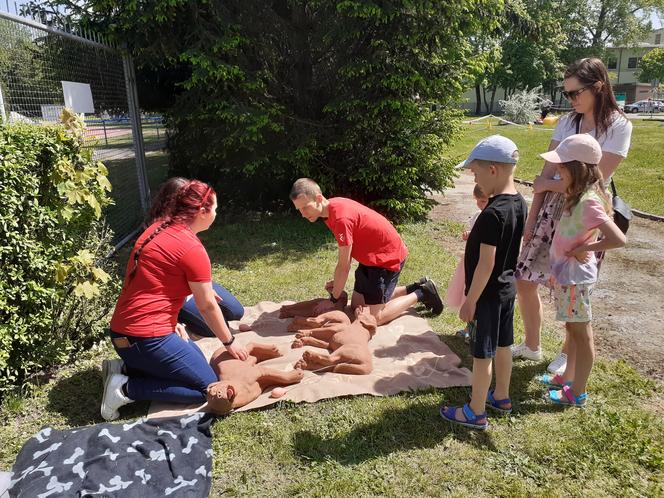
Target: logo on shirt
(341, 237)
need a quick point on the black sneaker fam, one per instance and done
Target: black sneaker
(422, 281)
(431, 298)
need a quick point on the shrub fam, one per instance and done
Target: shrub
(55, 288)
(524, 106)
(361, 96)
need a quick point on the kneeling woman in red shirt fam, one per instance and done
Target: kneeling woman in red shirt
(167, 264)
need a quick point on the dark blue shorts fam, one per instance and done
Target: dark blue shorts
(492, 328)
(376, 284)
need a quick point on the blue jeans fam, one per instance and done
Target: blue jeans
(165, 368)
(230, 308)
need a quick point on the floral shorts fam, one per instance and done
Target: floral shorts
(573, 302)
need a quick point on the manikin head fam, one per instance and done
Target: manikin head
(220, 396)
(308, 199)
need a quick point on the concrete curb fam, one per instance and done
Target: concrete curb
(636, 212)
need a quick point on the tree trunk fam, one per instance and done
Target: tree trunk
(493, 98)
(478, 100)
(601, 24)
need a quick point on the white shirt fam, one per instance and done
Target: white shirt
(616, 140)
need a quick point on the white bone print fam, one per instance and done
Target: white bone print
(181, 483)
(77, 453)
(105, 432)
(145, 477)
(160, 432)
(54, 486)
(192, 441)
(53, 447)
(43, 435)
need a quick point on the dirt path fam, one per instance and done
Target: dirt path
(628, 301)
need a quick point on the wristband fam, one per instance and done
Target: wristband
(229, 342)
(333, 299)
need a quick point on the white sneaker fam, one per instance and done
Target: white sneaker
(558, 365)
(113, 397)
(523, 351)
(110, 367)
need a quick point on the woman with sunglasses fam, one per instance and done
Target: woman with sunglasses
(168, 262)
(596, 112)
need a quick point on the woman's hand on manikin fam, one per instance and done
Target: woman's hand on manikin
(237, 351)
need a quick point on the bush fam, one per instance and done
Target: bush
(361, 96)
(55, 289)
(524, 106)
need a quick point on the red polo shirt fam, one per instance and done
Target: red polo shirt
(150, 302)
(375, 241)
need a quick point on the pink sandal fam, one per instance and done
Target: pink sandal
(565, 396)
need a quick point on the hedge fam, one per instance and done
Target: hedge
(56, 291)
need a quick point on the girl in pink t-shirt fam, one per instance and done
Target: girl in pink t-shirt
(572, 257)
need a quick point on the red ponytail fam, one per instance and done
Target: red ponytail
(178, 201)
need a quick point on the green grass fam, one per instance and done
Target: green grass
(394, 446)
(639, 179)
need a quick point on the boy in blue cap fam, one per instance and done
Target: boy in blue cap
(490, 259)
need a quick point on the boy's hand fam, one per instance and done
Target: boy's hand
(465, 235)
(467, 311)
(329, 285)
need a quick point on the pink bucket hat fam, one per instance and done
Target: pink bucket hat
(581, 147)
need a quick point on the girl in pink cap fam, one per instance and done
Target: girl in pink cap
(586, 214)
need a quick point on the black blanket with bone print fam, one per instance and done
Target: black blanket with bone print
(145, 458)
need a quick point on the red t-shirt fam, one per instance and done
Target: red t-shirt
(375, 241)
(150, 302)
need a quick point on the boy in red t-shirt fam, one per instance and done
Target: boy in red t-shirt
(369, 238)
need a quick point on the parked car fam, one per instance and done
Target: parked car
(645, 106)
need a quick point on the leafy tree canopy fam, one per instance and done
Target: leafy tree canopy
(361, 95)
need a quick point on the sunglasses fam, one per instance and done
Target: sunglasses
(575, 93)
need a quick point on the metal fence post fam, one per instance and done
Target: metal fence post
(3, 117)
(137, 132)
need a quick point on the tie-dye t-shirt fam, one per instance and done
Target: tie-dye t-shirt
(574, 229)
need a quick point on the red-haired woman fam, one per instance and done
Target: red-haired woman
(168, 262)
(189, 315)
(596, 112)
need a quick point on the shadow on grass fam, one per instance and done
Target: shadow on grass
(285, 237)
(417, 426)
(78, 399)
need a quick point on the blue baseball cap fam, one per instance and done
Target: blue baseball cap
(494, 148)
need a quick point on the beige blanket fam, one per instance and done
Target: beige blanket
(407, 356)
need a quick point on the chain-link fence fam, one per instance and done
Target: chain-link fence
(42, 70)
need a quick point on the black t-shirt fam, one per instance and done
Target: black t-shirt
(500, 224)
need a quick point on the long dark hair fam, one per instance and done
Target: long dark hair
(590, 71)
(585, 177)
(179, 205)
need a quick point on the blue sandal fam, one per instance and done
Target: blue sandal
(565, 396)
(495, 404)
(449, 414)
